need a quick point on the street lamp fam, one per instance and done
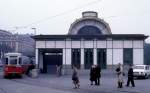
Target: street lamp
(34, 30)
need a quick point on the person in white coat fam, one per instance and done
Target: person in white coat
(120, 74)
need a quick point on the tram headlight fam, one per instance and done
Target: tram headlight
(6, 69)
(18, 66)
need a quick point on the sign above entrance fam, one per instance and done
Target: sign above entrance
(53, 53)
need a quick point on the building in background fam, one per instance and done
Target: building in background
(89, 41)
(7, 42)
(22, 43)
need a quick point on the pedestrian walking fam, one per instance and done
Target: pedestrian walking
(93, 74)
(130, 77)
(75, 77)
(120, 73)
(98, 74)
(58, 70)
(29, 69)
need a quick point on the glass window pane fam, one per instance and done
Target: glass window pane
(128, 56)
(13, 61)
(88, 58)
(76, 57)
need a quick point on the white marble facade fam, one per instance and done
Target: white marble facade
(114, 49)
(101, 38)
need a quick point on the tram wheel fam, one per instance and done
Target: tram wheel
(20, 76)
(6, 77)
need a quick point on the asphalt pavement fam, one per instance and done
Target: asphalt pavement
(46, 83)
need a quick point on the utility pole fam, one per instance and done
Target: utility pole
(17, 43)
(35, 46)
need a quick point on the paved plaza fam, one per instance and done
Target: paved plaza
(52, 84)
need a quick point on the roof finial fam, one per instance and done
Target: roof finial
(89, 14)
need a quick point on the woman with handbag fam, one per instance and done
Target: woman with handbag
(75, 77)
(120, 75)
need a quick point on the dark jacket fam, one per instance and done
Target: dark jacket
(93, 74)
(130, 73)
(75, 75)
(98, 71)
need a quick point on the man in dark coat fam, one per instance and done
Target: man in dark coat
(130, 77)
(31, 66)
(98, 74)
(93, 74)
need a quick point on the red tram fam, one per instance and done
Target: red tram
(13, 65)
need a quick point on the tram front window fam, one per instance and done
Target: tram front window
(13, 61)
(19, 60)
(6, 61)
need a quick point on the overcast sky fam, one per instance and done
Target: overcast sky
(55, 16)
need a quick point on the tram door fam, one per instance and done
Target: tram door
(76, 57)
(88, 58)
(101, 58)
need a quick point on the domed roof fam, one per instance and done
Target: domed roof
(89, 24)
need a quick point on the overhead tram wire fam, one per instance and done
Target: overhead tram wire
(129, 15)
(66, 12)
(60, 14)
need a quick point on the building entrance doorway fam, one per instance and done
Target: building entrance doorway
(76, 55)
(51, 59)
(88, 58)
(101, 58)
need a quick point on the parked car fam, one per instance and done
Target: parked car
(141, 71)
